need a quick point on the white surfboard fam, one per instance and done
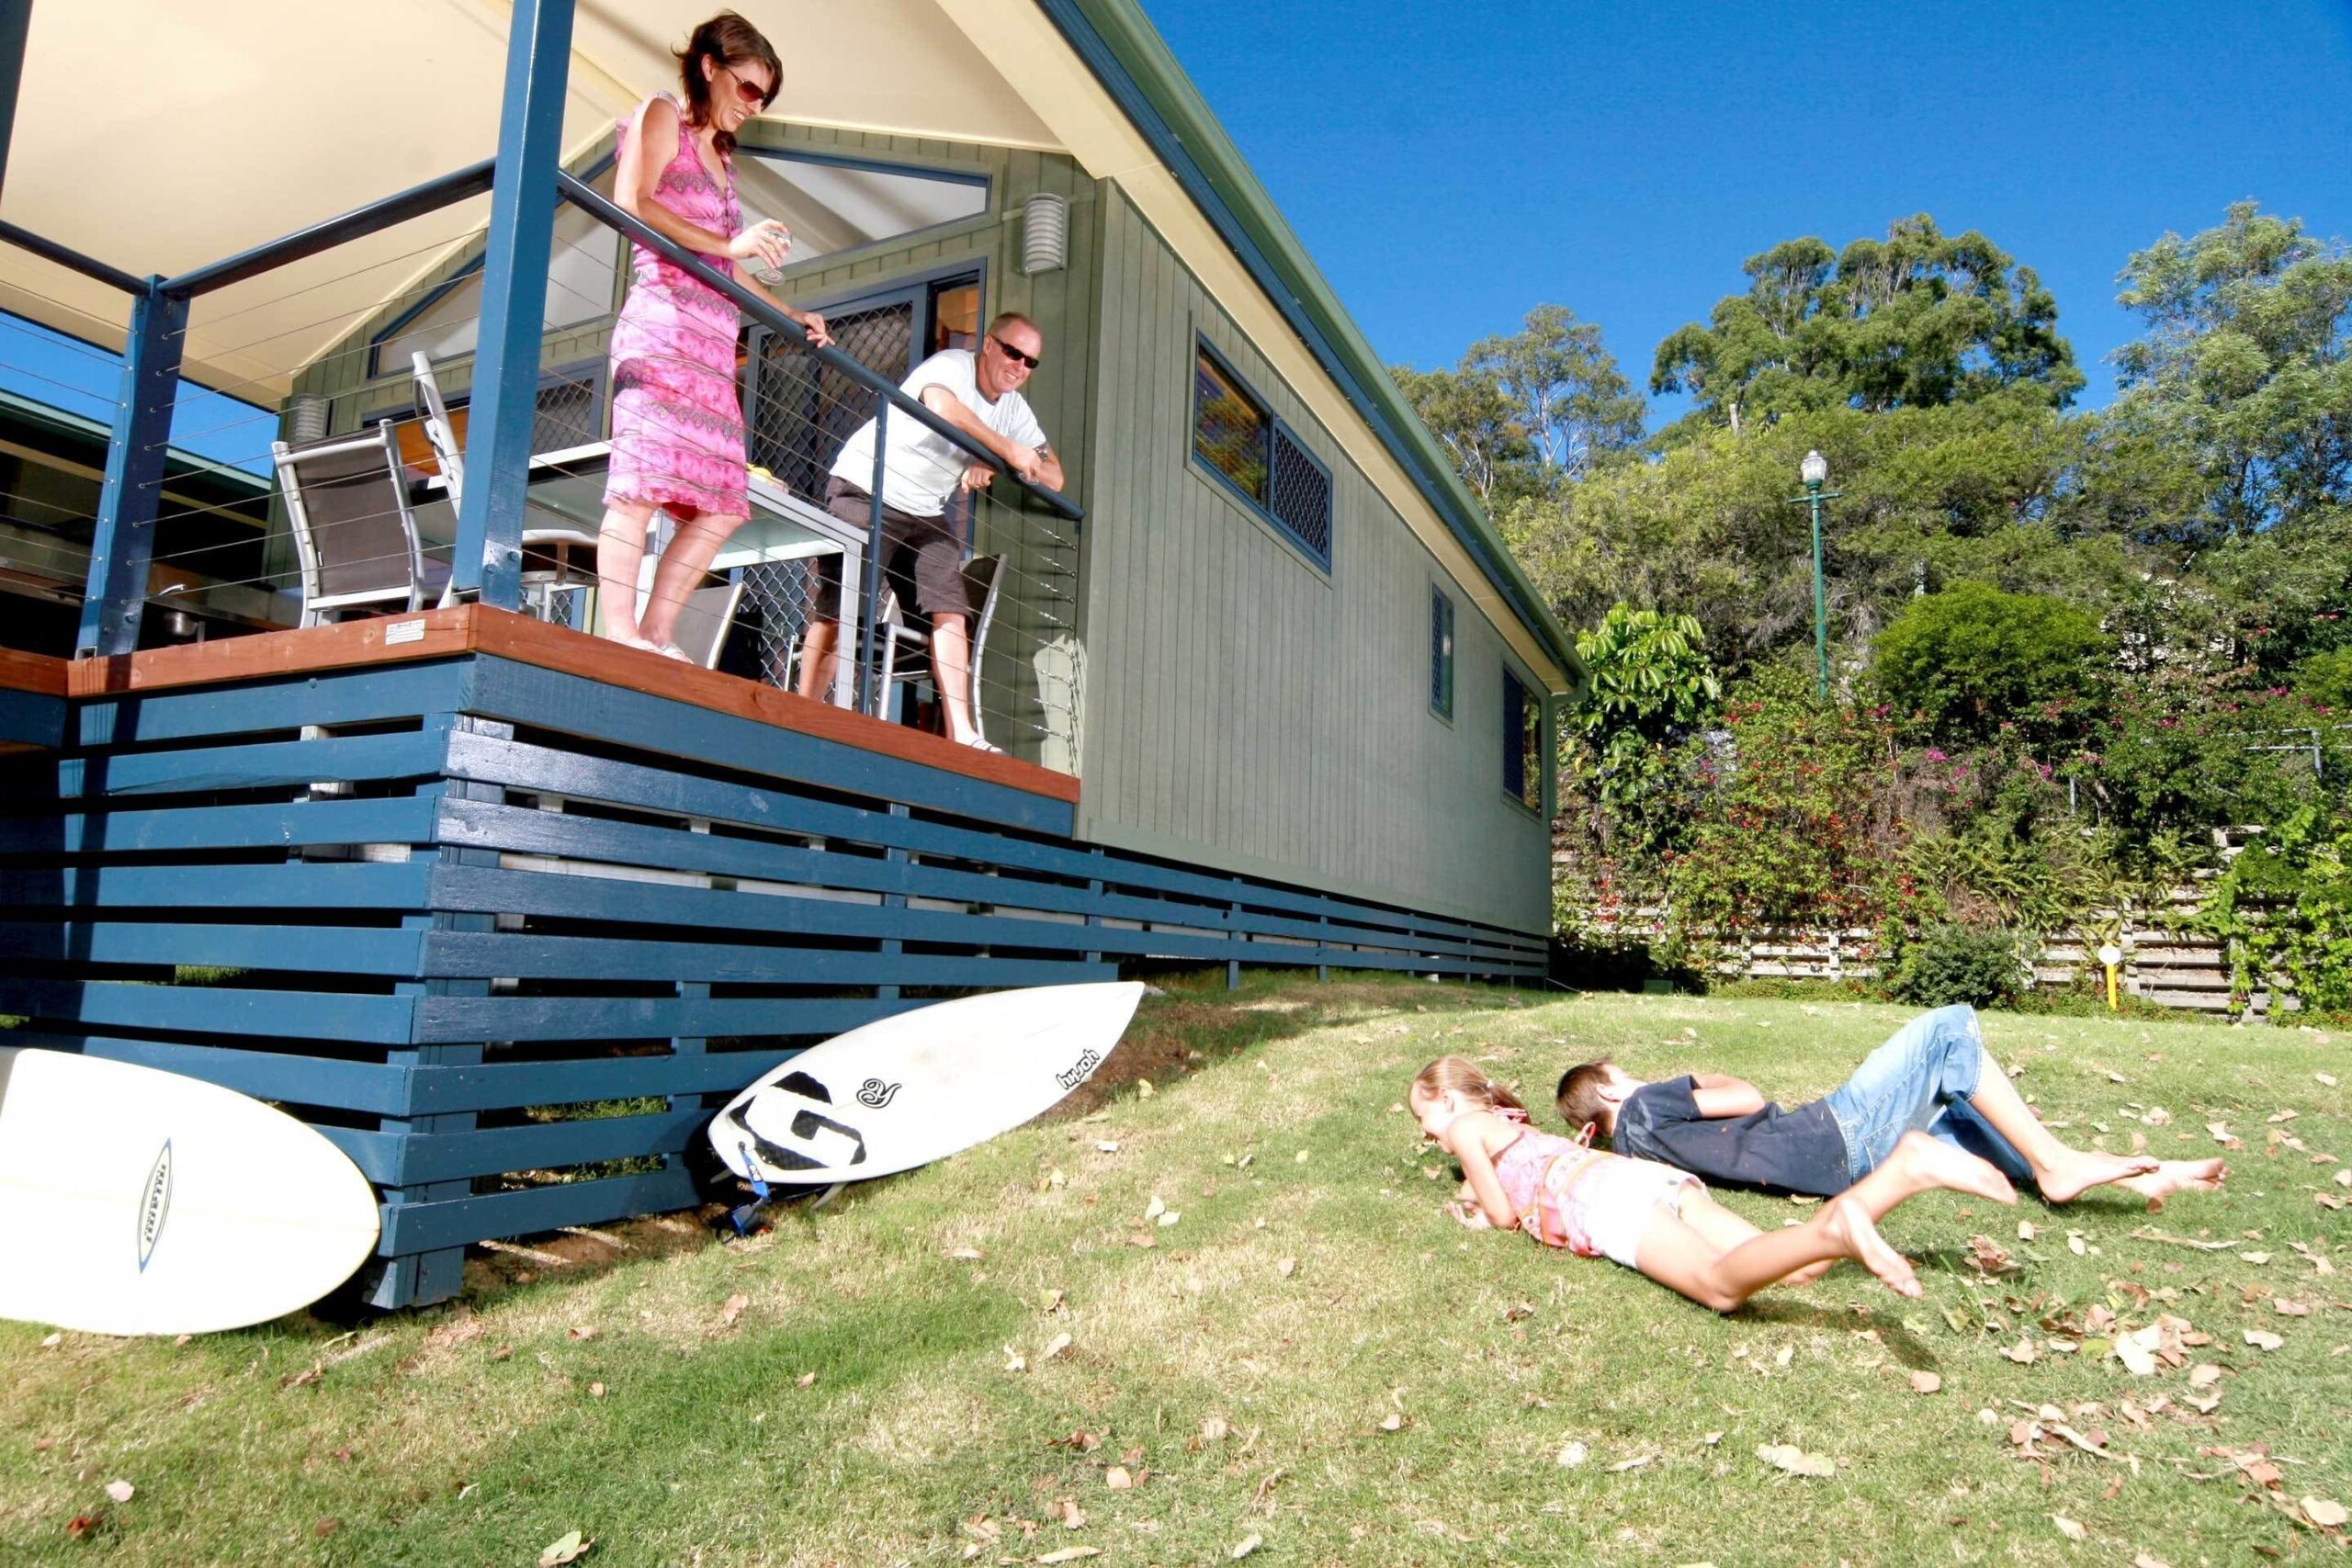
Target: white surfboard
(140, 1202)
(910, 1089)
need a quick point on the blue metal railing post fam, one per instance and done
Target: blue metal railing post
(16, 22)
(123, 547)
(870, 699)
(488, 561)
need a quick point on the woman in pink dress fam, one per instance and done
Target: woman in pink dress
(677, 424)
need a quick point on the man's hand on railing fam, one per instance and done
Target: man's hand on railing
(977, 477)
(1026, 461)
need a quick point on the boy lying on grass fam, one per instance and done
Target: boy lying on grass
(1659, 1220)
(1933, 1075)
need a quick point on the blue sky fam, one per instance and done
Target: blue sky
(1450, 164)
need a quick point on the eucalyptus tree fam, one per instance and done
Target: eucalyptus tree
(1918, 319)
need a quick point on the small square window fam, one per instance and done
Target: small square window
(1441, 654)
(1523, 743)
(1261, 459)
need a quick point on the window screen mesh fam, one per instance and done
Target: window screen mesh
(1302, 501)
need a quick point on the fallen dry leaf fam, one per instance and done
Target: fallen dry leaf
(1248, 1543)
(1286, 1266)
(2205, 1374)
(2023, 1353)
(1572, 1455)
(120, 1491)
(2325, 1512)
(1055, 1347)
(1071, 1554)
(80, 1525)
(2069, 1529)
(1014, 1361)
(2263, 1339)
(595, 1391)
(2025, 1230)
(1071, 1516)
(805, 1379)
(965, 1255)
(2327, 1078)
(1118, 1478)
(1989, 1256)
(1214, 1430)
(583, 1331)
(567, 1547)
(1795, 1461)
(1925, 1382)
(733, 1309)
(1392, 1422)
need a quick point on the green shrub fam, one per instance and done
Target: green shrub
(1970, 658)
(2284, 908)
(1949, 964)
(1794, 822)
(2325, 680)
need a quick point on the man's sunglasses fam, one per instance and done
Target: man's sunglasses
(750, 91)
(1031, 360)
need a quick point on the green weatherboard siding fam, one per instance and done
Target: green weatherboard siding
(1245, 708)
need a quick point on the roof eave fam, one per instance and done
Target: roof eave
(1134, 65)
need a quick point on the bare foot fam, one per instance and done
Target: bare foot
(1847, 1223)
(2173, 1176)
(2080, 1169)
(1926, 1162)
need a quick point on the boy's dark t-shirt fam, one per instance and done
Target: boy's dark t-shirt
(1788, 1151)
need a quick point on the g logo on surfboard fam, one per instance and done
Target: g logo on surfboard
(875, 1094)
(154, 1204)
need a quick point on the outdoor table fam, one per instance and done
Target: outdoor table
(566, 492)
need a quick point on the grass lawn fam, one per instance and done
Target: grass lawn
(968, 1363)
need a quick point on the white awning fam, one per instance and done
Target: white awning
(157, 136)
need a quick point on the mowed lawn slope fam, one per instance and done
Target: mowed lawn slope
(1163, 1324)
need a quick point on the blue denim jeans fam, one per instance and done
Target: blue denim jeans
(1921, 1080)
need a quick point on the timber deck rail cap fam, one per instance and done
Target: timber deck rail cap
(37, 673)
(479, 630)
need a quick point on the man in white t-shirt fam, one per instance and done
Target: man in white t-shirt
(979, 394)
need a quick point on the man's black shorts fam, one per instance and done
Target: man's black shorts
(921, 557)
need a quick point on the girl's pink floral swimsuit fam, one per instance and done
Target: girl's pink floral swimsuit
(1589, 1200)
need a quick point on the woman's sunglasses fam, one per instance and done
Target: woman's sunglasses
(1014, 354)
(750, 91)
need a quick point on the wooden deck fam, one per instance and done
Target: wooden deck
(475, 628)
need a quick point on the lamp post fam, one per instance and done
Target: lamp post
(1814, 471)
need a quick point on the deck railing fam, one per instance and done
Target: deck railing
(1029, 679)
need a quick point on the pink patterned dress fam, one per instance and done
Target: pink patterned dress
(677, 421)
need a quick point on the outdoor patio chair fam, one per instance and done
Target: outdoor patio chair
(983, 581)
(704, 623)
(346, 504)
(449, 455)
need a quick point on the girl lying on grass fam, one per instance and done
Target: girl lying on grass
(1660, 1220)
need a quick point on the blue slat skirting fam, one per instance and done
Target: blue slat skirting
(504, 933)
